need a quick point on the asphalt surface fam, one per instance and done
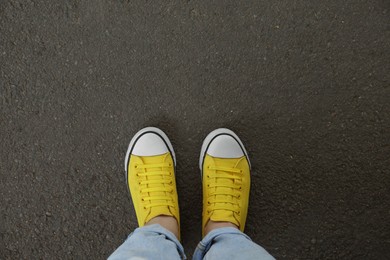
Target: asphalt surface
(305, 84)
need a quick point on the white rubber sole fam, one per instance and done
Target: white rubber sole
(145, 130)
(209, 138)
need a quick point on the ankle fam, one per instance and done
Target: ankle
(167, 222)
(211, 225)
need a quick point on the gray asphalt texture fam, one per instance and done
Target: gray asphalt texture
(305, 84)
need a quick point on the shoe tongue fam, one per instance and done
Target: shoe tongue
(224, 215)
(159, 210)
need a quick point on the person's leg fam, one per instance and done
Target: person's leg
(225, 169)
(229, 243)
(150, 242)
(150, 177)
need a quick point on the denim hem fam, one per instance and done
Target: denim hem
(156, 228)
(207, 241)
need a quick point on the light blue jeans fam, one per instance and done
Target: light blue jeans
(155, 242)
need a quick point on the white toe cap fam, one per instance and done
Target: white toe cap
(225, 146)
(149, 144)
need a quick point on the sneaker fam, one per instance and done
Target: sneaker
(225, 169)
(150, 175)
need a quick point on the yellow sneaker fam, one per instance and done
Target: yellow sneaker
(225, 169)
(150, 175)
